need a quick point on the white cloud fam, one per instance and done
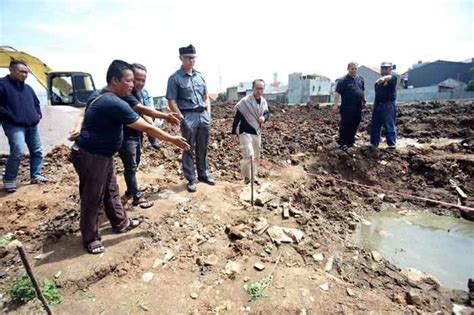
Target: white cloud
(248, 39)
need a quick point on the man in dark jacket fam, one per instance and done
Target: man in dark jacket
(350, 88)
(20, 114)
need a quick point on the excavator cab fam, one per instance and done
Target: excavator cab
(66, 88)
(69, 88)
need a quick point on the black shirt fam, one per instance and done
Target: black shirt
(386, 92)
(102, 129)
(133, 99)
(351, 90)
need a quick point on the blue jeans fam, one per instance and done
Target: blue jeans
(196, 128)
(19, 138)
(384, 115)
(130, 153)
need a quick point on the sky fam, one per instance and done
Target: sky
(237, 40)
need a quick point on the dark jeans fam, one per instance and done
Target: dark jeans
(384, 115)
(97, 184)
(196, 127)
(130, 153)
(350, 120)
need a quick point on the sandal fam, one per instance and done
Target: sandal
(132, 224)
(142, 202)
(95, 247)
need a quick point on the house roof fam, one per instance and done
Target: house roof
(315, 76)
(374, 69)
(244, 86)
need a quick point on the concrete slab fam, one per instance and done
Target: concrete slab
(54, 128)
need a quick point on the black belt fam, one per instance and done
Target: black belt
(197, 110)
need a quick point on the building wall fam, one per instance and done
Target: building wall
(411, 95)
(301, 90)
(295, 88)
(232, 94)
(438, 71)
(370, 77)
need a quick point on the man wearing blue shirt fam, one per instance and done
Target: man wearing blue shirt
(148, 101)
(100, 137)
(385, 108)
(20, 114)
(187, 96)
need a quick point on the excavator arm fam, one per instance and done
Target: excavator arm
(38, 68)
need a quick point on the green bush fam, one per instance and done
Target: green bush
(50, 292)
(22, 290)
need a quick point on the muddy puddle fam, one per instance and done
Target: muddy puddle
(437, 142)
(441, 246)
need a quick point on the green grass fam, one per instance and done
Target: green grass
(22, 290)
(256, 290)
(3, 241)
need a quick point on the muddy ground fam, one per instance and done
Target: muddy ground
(188, 240)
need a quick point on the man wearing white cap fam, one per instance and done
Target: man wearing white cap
(385, 109)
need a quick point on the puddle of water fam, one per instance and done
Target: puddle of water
(437, 142)
(440, 246)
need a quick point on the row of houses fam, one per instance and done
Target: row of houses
(423, 81)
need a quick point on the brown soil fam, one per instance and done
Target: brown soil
(301, 164)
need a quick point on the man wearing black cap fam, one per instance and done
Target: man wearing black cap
(385, 108)
(187, 96)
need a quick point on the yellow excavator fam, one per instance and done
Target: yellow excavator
(68, 92)
(67, 88)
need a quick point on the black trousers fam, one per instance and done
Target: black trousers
(97, 185)
(350, 120)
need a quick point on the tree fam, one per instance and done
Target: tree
(470, 85)
(222, 97)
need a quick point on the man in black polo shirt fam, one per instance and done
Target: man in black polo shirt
(92, 154)
(385, 108)
(352, 91)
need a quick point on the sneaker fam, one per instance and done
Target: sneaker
(39, 179)
(344, 148)
(392, 147)
(155, 146)
(9, 186)
(208, 180)
(191, 186)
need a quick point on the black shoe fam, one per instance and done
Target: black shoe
(191, 186)
(155, 146)
(344, 148)
(208, 180)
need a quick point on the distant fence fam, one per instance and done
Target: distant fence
(408, 96)
(413, 95)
